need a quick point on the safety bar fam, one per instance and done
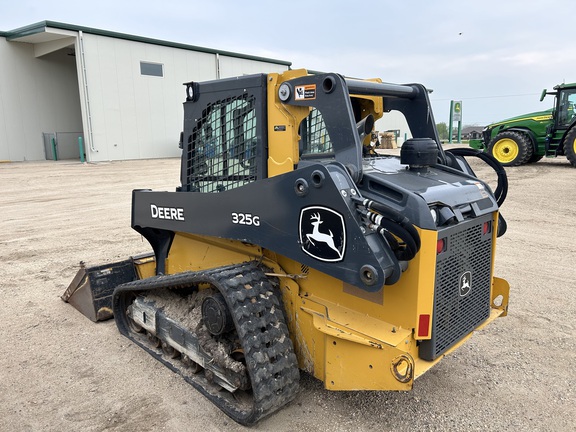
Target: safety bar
(380, 89)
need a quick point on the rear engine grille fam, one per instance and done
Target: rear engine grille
(465, 263)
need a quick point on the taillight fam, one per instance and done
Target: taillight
(423, 325)
(441, 246)
(487, 228)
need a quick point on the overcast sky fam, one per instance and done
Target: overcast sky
(494, 56)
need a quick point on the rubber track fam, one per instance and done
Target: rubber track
(259, 320)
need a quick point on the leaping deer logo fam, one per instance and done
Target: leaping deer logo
(319, 236)
(326, 243)
(465, 281)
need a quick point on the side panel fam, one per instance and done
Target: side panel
(192, 253)
(278, 214)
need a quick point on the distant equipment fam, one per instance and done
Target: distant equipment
(528, 138)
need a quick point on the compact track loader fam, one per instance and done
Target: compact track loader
(291, 245)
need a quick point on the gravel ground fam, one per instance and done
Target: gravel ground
(59, 371)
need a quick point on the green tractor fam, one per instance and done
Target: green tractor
(530, 137)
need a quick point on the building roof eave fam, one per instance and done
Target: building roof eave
(20, 34)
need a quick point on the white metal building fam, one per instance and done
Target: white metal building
(64, 88)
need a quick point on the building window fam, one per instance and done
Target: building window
(152, 69)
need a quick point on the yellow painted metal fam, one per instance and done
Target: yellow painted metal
(400, 303)
(343, 322)
(145, 267)
(499, 297)
(505, 150)
(347, 342)
(413, 294)
(283, 123)
(351, 366)
(500, 287)
(194, 252)
(375, 329)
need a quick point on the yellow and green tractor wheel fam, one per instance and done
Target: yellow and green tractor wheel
(511, 148)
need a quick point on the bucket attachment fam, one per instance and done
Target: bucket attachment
(91, 289)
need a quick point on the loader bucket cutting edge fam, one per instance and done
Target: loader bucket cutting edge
(90, 292)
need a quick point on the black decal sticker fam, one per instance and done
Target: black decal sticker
(322, 233)
(465, 284)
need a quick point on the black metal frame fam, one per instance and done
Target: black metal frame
(232, 160)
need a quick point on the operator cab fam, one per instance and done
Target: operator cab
(566, 110)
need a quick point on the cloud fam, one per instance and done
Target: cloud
(462, 50)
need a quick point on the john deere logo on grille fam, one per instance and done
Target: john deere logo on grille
(322, 233)
(465, 283)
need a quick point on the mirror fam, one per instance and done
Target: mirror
(543, 95)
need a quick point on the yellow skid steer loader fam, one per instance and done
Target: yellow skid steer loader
(291, 244)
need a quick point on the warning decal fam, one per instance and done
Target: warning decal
(305, 92)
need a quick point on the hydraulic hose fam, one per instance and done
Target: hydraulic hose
(392, 224)
(385, 227)
(394, 216)
(502, 187)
